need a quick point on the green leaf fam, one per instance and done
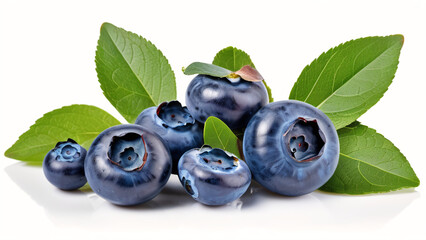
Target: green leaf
(218, 135)
(369, 163)
(133, 73)
(82, 123)
(349, 79)
(206, 69)
(234, 59)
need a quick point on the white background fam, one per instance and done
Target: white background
(47, 52)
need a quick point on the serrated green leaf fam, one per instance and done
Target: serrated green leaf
(133, 73)
(369, 163)
(349, 79)
(234, 59)
(79, 122)
(218, 135)
(206, 69)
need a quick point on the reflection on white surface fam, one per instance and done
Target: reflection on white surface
(83, 208)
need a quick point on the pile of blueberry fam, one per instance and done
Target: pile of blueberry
(289, 147)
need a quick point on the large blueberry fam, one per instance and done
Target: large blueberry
(291, 147)
(127, 164)
(213, 176)
(234, 102)
(175, 125)
(63, 166)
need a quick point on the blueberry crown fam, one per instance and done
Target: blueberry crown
(128, 151)
(173, 115)
(67, 151)
(217, 159)
(304, 140)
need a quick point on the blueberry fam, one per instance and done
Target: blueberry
(175, 125)
(213, 176)
(63, 166)
(291, 147)
(127, 164)
(232, 102)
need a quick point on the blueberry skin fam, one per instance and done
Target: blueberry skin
(233, 103)
(63, 166)
(175, 125)
(128, 165)
(213, 176)
(291, 147)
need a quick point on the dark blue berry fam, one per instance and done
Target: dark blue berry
(291, 147)
(128, 165)
(175, 125)
(213, 176)
(63, 166)
(232, 102)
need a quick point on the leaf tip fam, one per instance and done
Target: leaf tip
(399, 38)
(402, 38)
(417, 184)
(211, 118)
(7, 153)
(416, 181)
(11, 153)
(229, 48)
(106, 25)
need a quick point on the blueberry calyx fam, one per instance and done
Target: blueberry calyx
(67, 151)
(234, 78)
(128, 152)
(173, 115)
(217, 159)
(304, 140)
